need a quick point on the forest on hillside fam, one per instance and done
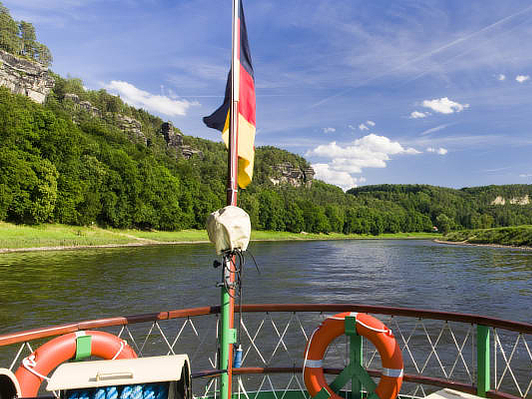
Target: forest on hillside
(53, 169)
(61, 162)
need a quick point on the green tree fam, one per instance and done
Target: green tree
(443, 223)
(27, 39)
(9, 39)
(44, 55)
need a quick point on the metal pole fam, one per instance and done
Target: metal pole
(228, 335)
(483, 360)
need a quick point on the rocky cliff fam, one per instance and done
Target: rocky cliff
(174, 141)
(286, 173)
(525, 200)
(25, 77)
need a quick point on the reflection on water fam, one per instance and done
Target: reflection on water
(43, 288)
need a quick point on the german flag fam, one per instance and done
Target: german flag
(246, 107)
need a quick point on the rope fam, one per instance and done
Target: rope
(143, 391)
(386, 330)
(29, 362)
(122, 345)
(306, 354)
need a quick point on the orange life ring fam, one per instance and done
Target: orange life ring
(47, 357)
(370, 328)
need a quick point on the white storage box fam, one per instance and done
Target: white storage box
(159, 377)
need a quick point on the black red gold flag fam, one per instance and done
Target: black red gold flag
(220, 118)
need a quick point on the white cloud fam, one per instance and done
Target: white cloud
(522, 78)
(364, 126)
(417, 115)
(439, 151)
(351, 127)
(501, 77)
(329, 130)
(371, 151)
(151, 102)
(444, 105)
(434, 129)
(338, 178)
(525, 175)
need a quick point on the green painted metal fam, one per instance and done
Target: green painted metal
(323, 394)
(226, 339)
(354, 371)
(355, 353)
(291, 394)
(83, 347)
(232, 335)
(342, 378)
(483, 360)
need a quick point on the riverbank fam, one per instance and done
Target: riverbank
(19, 238)
(524, 248)
(503, 237)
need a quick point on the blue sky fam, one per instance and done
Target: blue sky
(370, 92)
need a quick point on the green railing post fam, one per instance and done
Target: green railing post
(483, 360)
(227, 333)
(355, 354)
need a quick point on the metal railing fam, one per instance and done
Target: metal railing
(481, 355)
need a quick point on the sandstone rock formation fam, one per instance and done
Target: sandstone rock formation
(132, 127)
(174, 141)
(525, 200)
(84, 105)
(25, 77)
(295, 176)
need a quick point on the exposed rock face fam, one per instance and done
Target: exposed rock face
(292, 175)
(513, 201)
(25, 77)
(84, 105)
(131, 127)
(174, 140)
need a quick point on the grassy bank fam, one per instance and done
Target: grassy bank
(57, 235)
(520, 236)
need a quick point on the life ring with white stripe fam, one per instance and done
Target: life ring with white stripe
(368, 327)
(35, 367)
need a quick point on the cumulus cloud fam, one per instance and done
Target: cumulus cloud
(371, 151)
(331, 176)
(522, 78)
(151, 102)
(439, 151)
(329, 130)
(351, 127)
(501, 77)
(363, 127)
(370, 123)
(417, 115)
(444, 105)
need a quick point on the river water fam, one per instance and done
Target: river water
(43, 288)
(38, 289)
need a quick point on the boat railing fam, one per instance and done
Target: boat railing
(475, 354)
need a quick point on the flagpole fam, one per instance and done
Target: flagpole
(228, 332)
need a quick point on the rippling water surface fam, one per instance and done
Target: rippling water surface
(43, 288)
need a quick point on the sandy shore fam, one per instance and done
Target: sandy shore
(481, 245)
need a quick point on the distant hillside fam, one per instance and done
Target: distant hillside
(81, 157)
(451, 209)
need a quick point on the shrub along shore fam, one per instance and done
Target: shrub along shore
(56, 236)
(517, 236)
